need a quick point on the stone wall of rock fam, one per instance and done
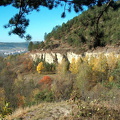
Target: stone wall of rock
(52, 56)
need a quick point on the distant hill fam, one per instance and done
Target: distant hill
(12, 45)
(11, 48)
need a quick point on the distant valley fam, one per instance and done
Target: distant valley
(9, 48)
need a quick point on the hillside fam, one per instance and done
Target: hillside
(66, 91)
(83, 31)
(53, 82)
(67, 110)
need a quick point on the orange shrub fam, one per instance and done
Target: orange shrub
(46, 80)
(27, 64)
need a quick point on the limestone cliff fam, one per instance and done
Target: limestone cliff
(57, 56)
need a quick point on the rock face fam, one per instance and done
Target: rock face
(57, 56)
(51, 57)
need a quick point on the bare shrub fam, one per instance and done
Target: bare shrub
(62, 86)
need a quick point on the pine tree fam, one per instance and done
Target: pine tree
(19, 23)
(30, 46)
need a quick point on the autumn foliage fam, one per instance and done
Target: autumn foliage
(40, 67)
(46, 80)
(28, 64)
(74, 66)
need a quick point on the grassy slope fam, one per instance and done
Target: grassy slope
(48, 111)
(68, 110)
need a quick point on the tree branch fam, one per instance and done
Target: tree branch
(97, 23)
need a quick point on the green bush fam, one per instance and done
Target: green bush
(6, 110)
(116, 74)
(83, 79)
(44, 96)
(47, 66)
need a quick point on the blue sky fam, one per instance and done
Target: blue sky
(40, 22)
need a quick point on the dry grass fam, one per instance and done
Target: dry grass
(48, 111)
(19, 112)
(69, 110)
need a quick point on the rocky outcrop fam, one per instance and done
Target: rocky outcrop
(51, 57)
(57, 56)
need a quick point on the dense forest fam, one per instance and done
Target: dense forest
(85, 31)
(82, 29)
